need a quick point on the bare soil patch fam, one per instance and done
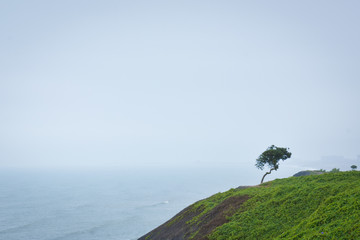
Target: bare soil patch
(178, 229)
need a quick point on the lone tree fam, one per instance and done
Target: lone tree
(271, 158)
(353, 167)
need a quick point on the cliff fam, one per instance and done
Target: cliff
(308, 172)
(325, 206)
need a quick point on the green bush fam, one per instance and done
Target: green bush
(323, 206)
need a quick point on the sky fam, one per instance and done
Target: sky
(179, 83)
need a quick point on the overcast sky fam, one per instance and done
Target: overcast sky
(135, 83)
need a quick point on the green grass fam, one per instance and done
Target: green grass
(208, 204)
(323, 206)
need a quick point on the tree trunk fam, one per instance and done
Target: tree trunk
(262, 180)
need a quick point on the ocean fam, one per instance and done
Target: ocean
(121, 204)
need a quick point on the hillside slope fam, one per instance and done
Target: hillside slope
(323, 206)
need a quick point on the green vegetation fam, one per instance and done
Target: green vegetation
(325, 206)
(318, 206)
(353, 167)
(271, 158)
(309, 172)
(208, 204)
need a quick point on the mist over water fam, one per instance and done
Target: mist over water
(164, 83)
(102, 204)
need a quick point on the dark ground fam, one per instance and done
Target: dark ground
(178, 229)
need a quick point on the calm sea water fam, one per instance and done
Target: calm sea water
(101, 204)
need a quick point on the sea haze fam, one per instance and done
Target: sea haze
(102, 204)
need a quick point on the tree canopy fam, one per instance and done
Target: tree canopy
(271, 158)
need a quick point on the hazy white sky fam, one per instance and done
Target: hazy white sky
(132, 83)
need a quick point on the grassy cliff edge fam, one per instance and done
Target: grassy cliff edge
(323, 206)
